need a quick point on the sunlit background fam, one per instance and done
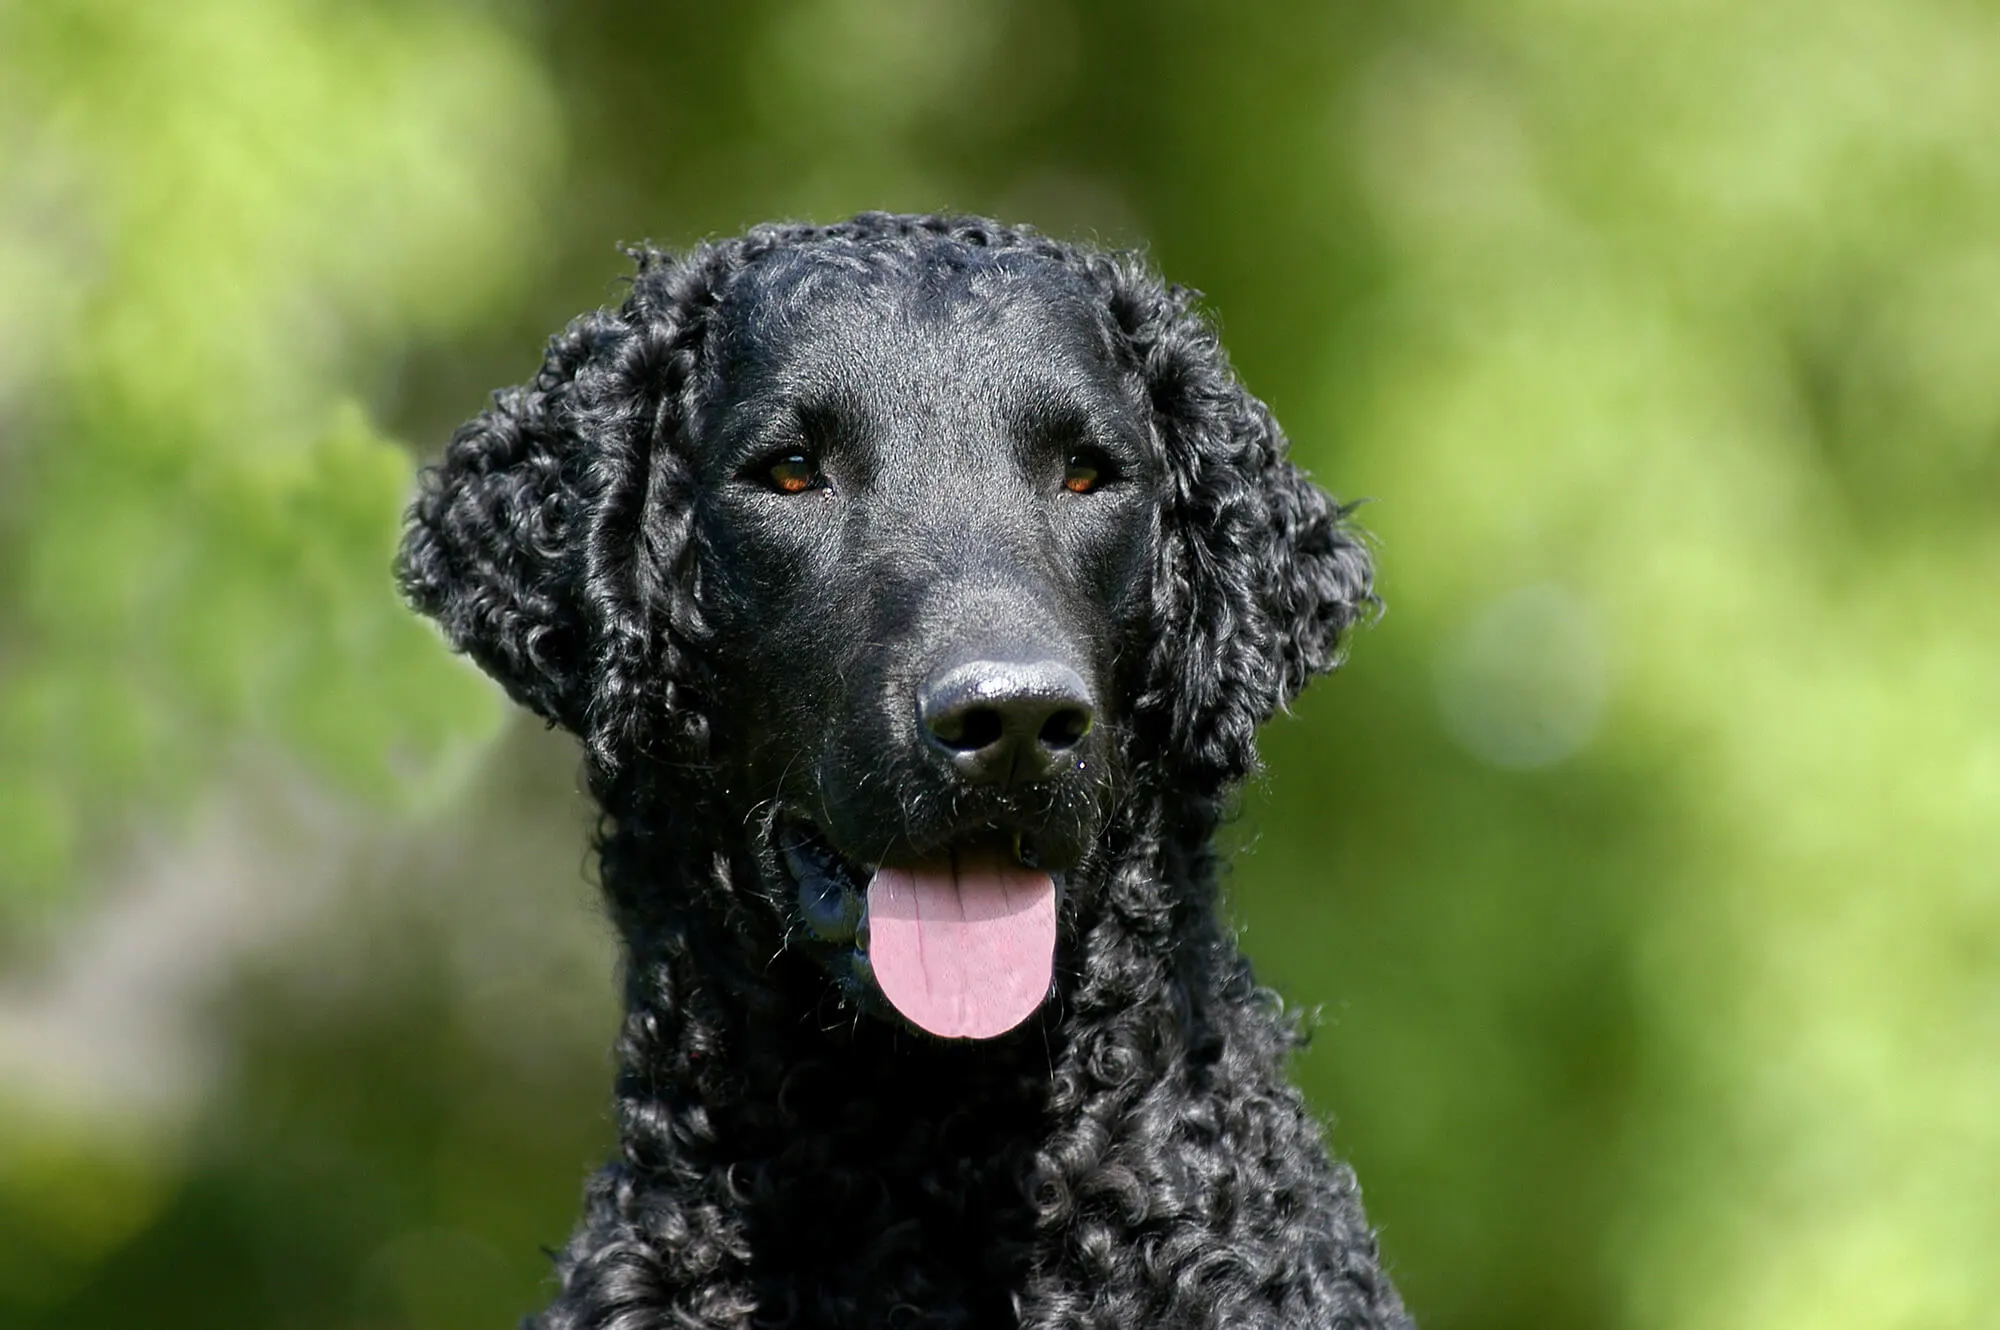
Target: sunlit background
(1644, 863)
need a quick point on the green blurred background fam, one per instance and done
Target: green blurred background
(1645, 861)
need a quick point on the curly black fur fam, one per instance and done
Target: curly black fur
(1133, 1155)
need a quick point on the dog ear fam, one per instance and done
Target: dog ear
(1258, 576)
(551, 543)
(489, 549)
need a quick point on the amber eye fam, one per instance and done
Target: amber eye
(793, 473)
(1080, 475)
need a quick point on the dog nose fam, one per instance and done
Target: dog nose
(1006, 723)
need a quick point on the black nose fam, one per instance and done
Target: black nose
(1004, 722)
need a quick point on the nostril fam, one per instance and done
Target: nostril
(1064, 728)
(970, 729)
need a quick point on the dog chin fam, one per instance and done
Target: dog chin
(956, 941)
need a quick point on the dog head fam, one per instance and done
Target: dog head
(909, 545)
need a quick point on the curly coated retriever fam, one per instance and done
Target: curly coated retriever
(916, 586)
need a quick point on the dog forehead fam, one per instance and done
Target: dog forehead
(839, 319)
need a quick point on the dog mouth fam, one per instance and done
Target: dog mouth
(960, 943)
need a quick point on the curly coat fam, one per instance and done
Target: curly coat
(1134, 1155)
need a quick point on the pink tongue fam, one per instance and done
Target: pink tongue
(963, 948)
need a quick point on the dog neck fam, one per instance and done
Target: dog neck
(780, 1152)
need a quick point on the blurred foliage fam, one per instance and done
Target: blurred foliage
(1645, 860)
(220, 219)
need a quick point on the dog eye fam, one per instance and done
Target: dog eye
(792, 473)
(1085, 471)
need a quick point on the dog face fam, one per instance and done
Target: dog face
(900, 546)
(926, 506)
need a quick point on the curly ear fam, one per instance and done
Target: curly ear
(489, 549)
(1258, 576)
(551, 543)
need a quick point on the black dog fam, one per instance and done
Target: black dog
(917, 586)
